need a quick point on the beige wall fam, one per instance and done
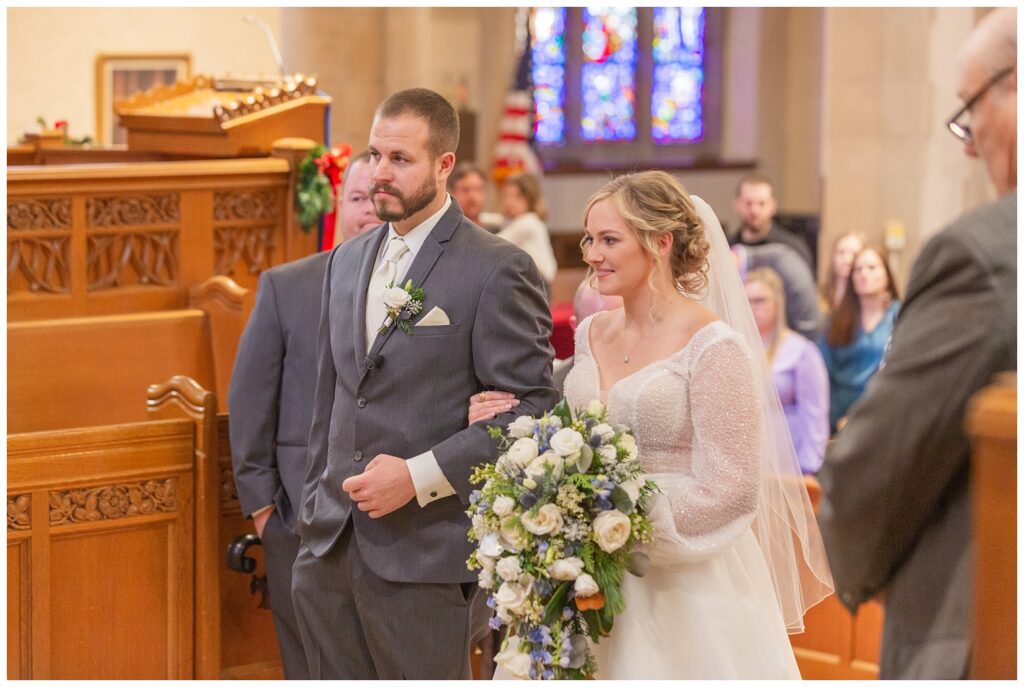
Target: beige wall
(51, 53)
(843, 108)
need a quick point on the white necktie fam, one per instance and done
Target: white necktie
(383, 276)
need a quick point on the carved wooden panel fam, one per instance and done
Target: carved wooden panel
(113, 501)
(145, 258)
(263, 206)
(19, 610)
(39, 245)
(19, 514)
(24, 214)
(248, 248)
(133, 209)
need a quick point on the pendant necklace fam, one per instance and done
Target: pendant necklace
(629, 351)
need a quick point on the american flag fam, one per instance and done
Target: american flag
(514, 152)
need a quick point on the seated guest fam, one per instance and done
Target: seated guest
(834, 285)
(859, 329)
(356, 213)
(523, 204)
(802, 312)
(798, 370)
(756, 205)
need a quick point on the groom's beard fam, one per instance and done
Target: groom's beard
(407, 206)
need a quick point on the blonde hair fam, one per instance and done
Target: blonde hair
(771, 280)
(654, 204)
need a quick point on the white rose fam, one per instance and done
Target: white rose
(632, 488)
(513, 596)
(523, 452)
(396, 297)
(503, 505)
(479, 526)
(516, 662)
(536, 468)
(611, 530)
(603, 430)
(511, 538)
(548, 520)
(508, 568)
(566, 568)
(566, 442)
(485, 579)
(521, 427)
(490, 547)
(585, 585)
(595, 407)
(486, 562)
(629, 443)
(607, 453)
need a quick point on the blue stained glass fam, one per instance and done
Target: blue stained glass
(609, 74)
(677, 103)
(547, 53)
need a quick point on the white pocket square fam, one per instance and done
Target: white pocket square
(435, 318)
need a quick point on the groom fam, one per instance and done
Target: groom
(381, 587)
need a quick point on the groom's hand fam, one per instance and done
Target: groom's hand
(384, 487)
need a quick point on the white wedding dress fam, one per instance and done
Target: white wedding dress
(706, 607)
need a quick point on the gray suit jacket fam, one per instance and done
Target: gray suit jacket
(895, 509)
(408, 394)
(271, 396)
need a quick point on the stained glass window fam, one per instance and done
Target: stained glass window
(609, 74)
(677, 115)
(547, 53)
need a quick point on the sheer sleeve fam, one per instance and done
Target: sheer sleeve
(706, 509)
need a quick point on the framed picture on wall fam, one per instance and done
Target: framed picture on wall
(122, 75)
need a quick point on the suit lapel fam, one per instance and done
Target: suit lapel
(366, 264)
(420, 268)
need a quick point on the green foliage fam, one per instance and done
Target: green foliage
(313, 195)
(621, 500)
(562, 412)
(607, 572)
(553, 610)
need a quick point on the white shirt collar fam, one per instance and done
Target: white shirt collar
(415, 238)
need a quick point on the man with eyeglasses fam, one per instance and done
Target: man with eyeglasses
(895, 512)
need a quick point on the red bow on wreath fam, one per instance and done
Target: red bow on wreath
(319, 184)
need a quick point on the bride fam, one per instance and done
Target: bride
(737, 557)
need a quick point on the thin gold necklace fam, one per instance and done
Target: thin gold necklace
(629, 351)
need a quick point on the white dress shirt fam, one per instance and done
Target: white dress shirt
(427, 479)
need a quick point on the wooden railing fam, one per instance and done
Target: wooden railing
(992, 425)
(96, 239)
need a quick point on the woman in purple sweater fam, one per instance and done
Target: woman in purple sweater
(798, 369)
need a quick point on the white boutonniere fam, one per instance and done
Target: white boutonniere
(402, 305)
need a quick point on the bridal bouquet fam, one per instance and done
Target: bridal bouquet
(556, 523)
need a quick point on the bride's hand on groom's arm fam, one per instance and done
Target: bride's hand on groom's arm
(384, 487)
(486, 405)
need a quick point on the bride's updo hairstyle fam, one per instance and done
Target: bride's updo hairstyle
(652, 204)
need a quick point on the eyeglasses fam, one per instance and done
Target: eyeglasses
(963, 131)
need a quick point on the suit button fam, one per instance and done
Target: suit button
(361, 402)
(357, 456)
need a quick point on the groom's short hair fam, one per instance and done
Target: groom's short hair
(442, 120)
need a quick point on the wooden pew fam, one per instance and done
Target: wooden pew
(82, 372)
(992, 425)
(100, 553)
(835, 644)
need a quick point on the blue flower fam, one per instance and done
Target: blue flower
(494, 623)
(528, 500)
(533, 673)
(595, 440)
(567, 615)
(542, 547)
(549, 674)
(492, 602)
(474, 497)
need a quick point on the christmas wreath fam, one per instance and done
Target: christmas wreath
(319, 176)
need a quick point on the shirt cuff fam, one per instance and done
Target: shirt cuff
(257, 512)
(427, 479)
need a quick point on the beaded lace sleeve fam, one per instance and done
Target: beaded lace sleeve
(715, 502)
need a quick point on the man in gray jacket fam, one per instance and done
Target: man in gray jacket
(271, 404)
(895, 511)
(380, 585)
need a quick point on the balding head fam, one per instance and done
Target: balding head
(990, 50)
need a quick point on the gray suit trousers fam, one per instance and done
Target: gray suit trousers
(358, 626)
(280, 547)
